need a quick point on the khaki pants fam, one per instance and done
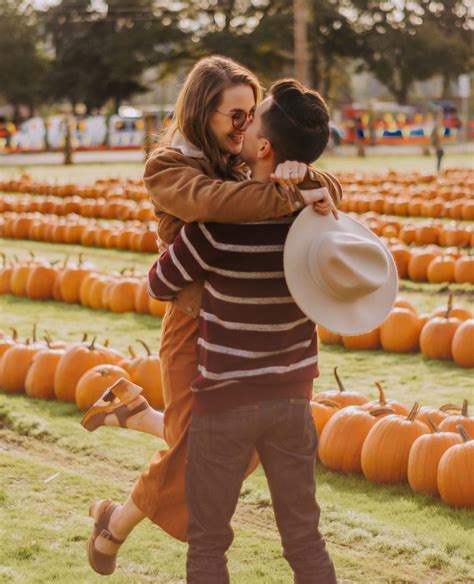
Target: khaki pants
(160, 491)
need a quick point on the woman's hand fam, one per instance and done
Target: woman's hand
(321, 200)
(289, 173)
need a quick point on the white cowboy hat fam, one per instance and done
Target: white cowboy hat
(339, 273)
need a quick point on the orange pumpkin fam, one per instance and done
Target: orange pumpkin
(400, 331)
(437, 335)
(341, 441)
(462, 346)
(39, 380)
(464, 270)
(441, 269)
(424, 457)
(95, 381)
(401, 256)
(366, 342)
(450, 423)
(14, 365)
(437, 415)
(455, 472)
(418, 265)
(146, 373)
(73, 364)
(384, 456)
(40, 282)
(322, 410)
(341, 395)
(327, 337)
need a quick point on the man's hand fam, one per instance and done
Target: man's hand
(289, 173)
(321, 200)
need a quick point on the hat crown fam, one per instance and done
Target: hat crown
(347, 265)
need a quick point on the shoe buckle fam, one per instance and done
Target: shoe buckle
(105, 533)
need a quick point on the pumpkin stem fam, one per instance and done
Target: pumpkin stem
(84, 337)
(91, 346)
(382, 399)
(14, 333)
(462, 430)
(31, 254)
(34, 332)
(131, 351)
(433, 424)
(464, 408)
(80, 259)
(106, 343)
(27, 342)
(145, 345)
(47, 338)
(66, 259)
(380, 411)
(328, 402)
(338, 380)
(450, 304)
(447, 407)
(414, 411)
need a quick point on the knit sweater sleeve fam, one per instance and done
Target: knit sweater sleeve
(185, 261)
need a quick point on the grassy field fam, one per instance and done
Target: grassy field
(52, 469)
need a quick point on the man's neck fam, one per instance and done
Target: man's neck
(261, 171)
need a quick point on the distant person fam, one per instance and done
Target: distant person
(437, 143)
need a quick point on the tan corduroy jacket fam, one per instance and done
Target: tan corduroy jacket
(185, 188)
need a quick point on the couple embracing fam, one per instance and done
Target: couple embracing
(238, 355)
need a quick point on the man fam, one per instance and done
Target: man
(257, 357)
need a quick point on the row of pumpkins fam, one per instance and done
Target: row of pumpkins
(449, 194)
(77, 372)
(389, 442)
(383, 438)
(450, 234)
(101, 208)
(79, 283)
(447, 333)
(431, 264)
(130, 235)
(427, 264)
(106, 188)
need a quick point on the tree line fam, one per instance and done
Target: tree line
(78, 52)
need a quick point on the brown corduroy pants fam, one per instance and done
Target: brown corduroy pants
(160, 491)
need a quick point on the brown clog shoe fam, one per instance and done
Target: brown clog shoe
(113, 401)
(101, 511)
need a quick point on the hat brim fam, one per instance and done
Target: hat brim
(347, 318)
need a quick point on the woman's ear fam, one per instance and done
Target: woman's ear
(265, 148)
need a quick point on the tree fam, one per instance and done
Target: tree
(102, 55)
(22, 66)
(452, 24)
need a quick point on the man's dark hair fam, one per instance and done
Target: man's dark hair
(297, 122)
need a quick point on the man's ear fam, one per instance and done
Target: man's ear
(265, 149)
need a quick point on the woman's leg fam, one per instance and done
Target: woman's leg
(148, 420)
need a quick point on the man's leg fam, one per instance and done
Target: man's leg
(287, 451)
(219, 449)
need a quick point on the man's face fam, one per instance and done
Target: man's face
(254, 137)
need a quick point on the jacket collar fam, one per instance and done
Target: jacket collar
(181, 143)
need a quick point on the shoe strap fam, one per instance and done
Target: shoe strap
(102, 525)
(123, 413)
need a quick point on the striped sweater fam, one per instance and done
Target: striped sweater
(254, 341)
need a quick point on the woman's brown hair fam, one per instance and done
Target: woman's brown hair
(197, 101)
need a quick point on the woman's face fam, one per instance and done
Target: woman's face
(234, 100)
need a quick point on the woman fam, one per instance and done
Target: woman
(197, 177)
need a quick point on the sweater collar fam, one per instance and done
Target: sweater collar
(181, 143)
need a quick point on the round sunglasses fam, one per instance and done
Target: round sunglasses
(240, 118)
